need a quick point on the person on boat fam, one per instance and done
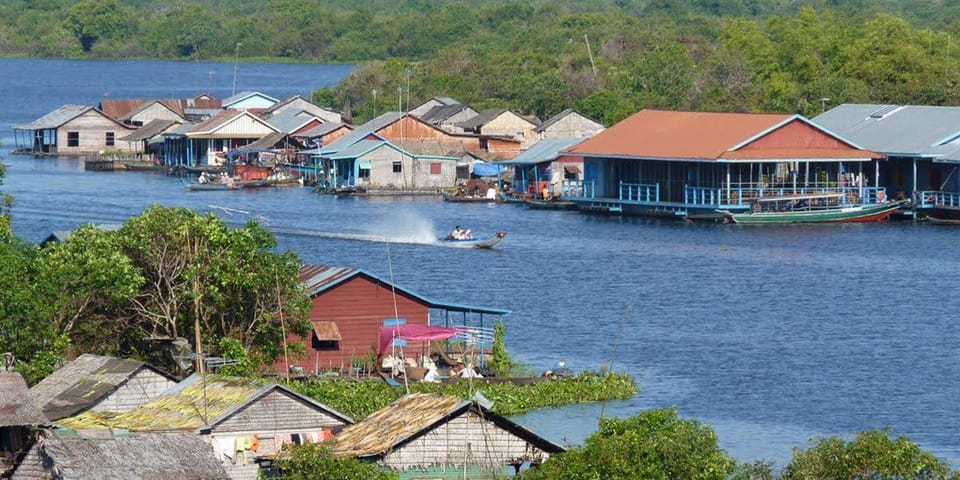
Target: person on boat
(203, 178)
(456, 234)
(467, 234)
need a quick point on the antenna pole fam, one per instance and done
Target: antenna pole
(590, 53)
(613, 357)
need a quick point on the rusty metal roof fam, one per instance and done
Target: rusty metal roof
(151, 129)
(658, 134)
(17, 405)
(56, 118)
(118, 109)
(325, 330)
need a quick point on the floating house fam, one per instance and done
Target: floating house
(546, 166)
(20, 417)
(100, 384)
(206, 143)
(72, 130)
(665, 163)
(249, 101)
(140, 112)
(109, 455)
(569, 124)
(348, 308)
(300, 104)
(148, 139)
(431, 103)
(241, 418)
(500, 122)
(434, 436)
(323, 134)
(921, 145)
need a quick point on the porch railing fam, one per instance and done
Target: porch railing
(744, 196)
(936, 198)
(640, 192)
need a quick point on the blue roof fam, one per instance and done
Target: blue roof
(318, 279)
(289, 121)
(358, 149)
(360, 133)
(543, 151)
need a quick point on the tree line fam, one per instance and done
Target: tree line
(606, 58)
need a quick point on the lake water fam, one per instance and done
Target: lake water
(772, 335)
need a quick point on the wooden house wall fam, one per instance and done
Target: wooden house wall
(358, 307)
(332, 136)
(509, 124)
(156, 111)
(572, 125)
(142, 387)
(503, 148)
(31, 467)
(468, 439)
(277, 411)
(93, 127)
(795, 135)
(410, 129)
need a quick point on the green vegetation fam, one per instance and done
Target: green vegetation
(606, 58)
(359, 399)
(162, 274)
(315, 461)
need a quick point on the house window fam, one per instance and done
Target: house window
(364, 172)
(73, 139)
(436, 168)
(397, 167)
(111, 137)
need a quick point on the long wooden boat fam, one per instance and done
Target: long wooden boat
(212, 186)
(943, 221)
(508, 198)
(860, 213)
(203, 168)
(475, 242)
(550, 204)
(449, 197)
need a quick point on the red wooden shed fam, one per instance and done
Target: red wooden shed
(349, 307)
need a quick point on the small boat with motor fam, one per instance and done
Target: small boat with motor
(470, 242)
(550, 204)
(196, 186)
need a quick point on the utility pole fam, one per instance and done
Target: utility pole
(407, 71)
(374, 103)
(236, 63)
(590, 53)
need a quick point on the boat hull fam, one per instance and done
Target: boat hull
(475, 243)
(467, 199)
(550, 205)
(203, 187)
(859, 214)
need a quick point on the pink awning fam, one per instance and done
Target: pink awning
(413, 333)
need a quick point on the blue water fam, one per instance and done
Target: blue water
(772, 335)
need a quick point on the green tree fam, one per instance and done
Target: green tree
(872, 454)
(502, 363)
(6, 202)
(91, 20)
(656, 444)
(315, 461)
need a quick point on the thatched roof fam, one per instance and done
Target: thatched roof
(17, 406)
(154, 456)
(414, 415)
(84, 382)
(192, 406)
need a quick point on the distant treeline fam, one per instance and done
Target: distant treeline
(606, 58)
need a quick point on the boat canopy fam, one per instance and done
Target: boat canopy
(484, 169)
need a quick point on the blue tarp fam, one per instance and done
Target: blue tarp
(483, 169)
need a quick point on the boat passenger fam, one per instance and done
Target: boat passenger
(467, 235)
(456, 234)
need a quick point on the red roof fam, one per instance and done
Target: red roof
(713, 136)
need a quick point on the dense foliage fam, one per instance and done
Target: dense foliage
(607, 58)
(164, 273)
(656, 444)
(314, 461)
(360, 399)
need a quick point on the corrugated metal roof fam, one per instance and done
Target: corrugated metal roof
(482, 118)
(702, 136)
(17, 405)
(358, 149)
(151, 129)
(438, 114)
(56, 118)
(182, 130)
(322, 129)
(326, 331)
(121, 107)
(319, 278)
(545, 150)
(273, 140)
(82, 383)
(412, 415)
(910, 130)
(291, 120)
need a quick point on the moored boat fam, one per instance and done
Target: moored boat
(838, 214)
(212, 186)
(475, 242)
(450, 197)
(550, 204)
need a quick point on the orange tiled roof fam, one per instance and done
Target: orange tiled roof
(708, 135)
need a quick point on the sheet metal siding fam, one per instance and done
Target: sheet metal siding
(465, 439)
(358, 306)
(795, 135)
(142, 387)
(277, 410)
(572, 125)
(242, 126)
(31, 467)
(93, 128)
